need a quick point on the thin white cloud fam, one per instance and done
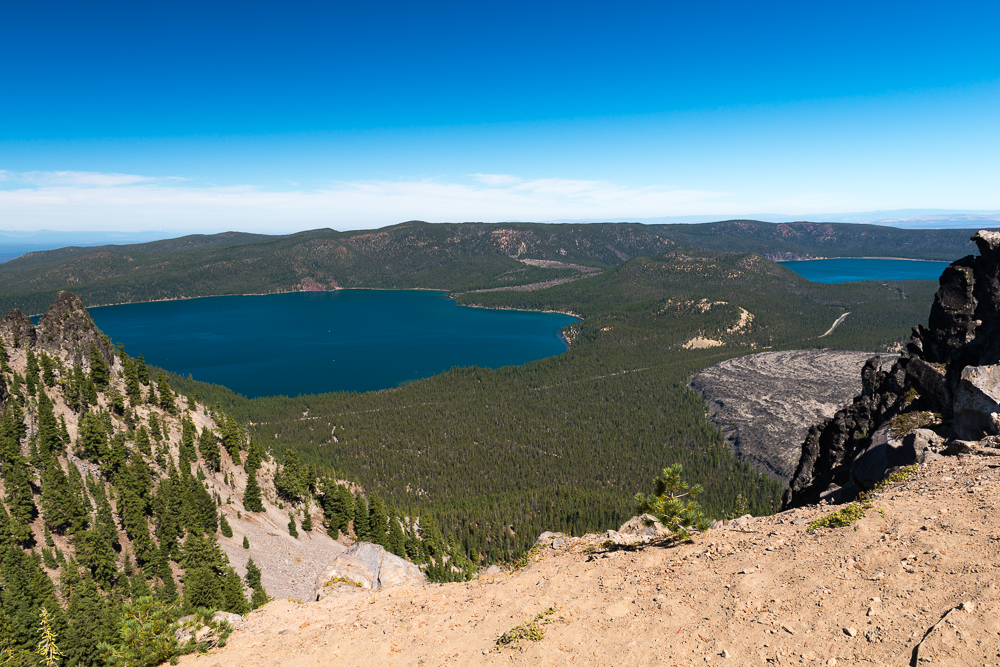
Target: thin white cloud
(89, 200)
(496, 179)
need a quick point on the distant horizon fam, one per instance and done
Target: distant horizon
(924, 220)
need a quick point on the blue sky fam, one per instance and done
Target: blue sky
(288, 116)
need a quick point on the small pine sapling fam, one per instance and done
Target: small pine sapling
(667, 504)
(246, 542)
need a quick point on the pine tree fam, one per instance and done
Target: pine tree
(98, 367)
(202, 589)
(89, 625)
(145, 635)
(253, 579)
(288, 479)
(142, 441)
(92, 438)
(246, 542)
(167, 401)
(232, 437)
(361, 526)
(307, 520)
(396, 542)
(48, 366)
(253, 574)
(208, 446)
(132, 387)
(232, 593)
(154, 427)
(49, 441)
(666, 504)
(61, 508)
(251, 496)
(188, 433)
(224, 526)
(291, 525)
(378, 523)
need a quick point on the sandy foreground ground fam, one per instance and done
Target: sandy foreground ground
(914, 582)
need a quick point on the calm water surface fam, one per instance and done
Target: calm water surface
(850, 269)
(312, 342)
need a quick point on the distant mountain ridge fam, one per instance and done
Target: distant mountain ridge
(456, 257)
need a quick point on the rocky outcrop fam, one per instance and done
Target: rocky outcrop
(66, 330)
(369, 567)
(67, 327)
(947, 379)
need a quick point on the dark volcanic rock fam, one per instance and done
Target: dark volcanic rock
(66, 328)
(946, 376)
(765, 403)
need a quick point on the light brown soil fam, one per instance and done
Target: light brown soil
(766, 592)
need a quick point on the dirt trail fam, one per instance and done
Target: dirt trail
(889, 591)
(834, 326)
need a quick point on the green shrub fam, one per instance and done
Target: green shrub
(667, 504)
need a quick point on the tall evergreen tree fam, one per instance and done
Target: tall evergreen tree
(208, 446)
(251, 496)
(98, 367)
(378, 522)
(61, 508)
(49, 441)
(92, 440)
(132, 386)
(288, 478)
(361, 525)
(48, 368)
(167, 400)
(90, 624)
(234, 601)
(142, 441)
(396, 542)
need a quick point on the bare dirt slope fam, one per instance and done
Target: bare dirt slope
(914, 582)
(765, 403)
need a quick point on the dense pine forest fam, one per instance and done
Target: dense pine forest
(499, 456)
(120, 498)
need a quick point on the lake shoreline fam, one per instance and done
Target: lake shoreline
(339, 340)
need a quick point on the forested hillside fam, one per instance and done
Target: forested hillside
(498, 456)
(455, 257)
(120, 500)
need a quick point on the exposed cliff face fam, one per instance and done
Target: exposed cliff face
(66, 329)
(947, 378)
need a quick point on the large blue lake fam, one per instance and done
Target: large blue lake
(313, 342)
(848, 269)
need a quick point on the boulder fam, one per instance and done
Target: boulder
(367, 566)
(546, 538)
(976, 409)
(885, 453)
(638, 526)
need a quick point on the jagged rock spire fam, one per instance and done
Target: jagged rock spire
(66, 328)
(945, 371)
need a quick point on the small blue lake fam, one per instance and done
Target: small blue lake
(849, 269)
(314, 342)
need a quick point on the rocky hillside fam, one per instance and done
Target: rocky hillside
(912, 582)
(122, 499)
(942, 394)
